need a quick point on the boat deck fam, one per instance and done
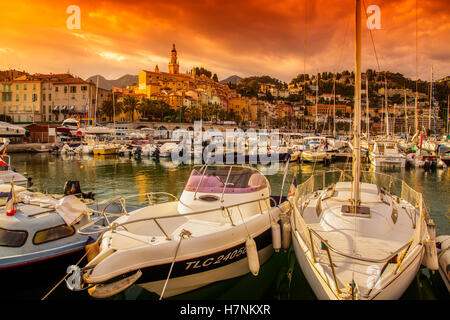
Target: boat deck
(374, 236)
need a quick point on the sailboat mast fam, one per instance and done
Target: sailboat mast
(386, 105)
(317, 98)
(431, 93)
(356, 170)
(416, 115)
(96, 102)
(448, 115)
(406, 115)
(367, 107)
(334, 106)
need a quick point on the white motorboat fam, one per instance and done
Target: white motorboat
(361, 239)
(167, 148)
(220, 228)
(97, 130)
(385, 153)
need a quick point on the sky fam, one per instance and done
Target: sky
(279, 38)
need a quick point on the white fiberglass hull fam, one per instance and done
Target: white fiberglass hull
(215, 251)
(386, 161)
(183, 284)
(321, 287)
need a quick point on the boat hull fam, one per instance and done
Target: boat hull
(105, 151)
(387, 161)
(391, 291)
(313, 157)
(191, 281)
(199, 269)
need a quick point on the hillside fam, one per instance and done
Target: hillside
(123, 81)
(231, 79)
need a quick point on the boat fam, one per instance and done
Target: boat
(443, 251)
(43, 226)
(444, 154)
(220, 228)
(69, 125)
(314, 149)
(97, 130)
(167, 148)
(360, 235)
(105, 149)
(7, 172)
(385, 154)
(9, 130)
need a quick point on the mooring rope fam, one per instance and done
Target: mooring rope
(67, 274)
(184, 233)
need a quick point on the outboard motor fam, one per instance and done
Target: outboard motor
(433, 164)
(72, 187)
(138, 152)
(29, 182)
(156, 152)
(427, 165)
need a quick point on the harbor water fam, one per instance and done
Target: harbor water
(280, 278)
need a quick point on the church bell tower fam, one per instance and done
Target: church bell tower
(173, 64)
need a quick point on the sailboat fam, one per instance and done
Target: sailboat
(360, 236)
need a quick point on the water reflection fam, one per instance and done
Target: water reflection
(110, 176)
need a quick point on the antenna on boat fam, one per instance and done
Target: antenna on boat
(356, 168)
(416, 121)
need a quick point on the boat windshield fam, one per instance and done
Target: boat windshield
(237, 180)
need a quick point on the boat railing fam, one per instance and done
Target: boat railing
(217, 210)
(323, 182)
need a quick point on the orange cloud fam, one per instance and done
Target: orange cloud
(253, 37)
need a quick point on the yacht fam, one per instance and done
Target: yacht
(385, 153)
(220, 228)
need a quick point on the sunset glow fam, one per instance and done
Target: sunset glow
(228, 37)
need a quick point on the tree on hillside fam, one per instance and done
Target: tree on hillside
(201, 70)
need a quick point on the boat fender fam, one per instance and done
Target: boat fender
(92, 250)
(444, 262)
(286, 235)
(430, 258)
(102, 291)
(252, 255)
(442, 243)
(276, 236)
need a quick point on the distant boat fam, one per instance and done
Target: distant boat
(11, 130)
(314, 149)
(7, 173)
(385, 153)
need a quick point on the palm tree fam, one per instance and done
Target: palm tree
(107, 108)
(148, 108)
(130, 104)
